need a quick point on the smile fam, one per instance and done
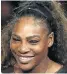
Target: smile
(25, 59)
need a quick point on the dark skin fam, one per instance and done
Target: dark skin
(29, 44)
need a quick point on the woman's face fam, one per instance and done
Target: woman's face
(29, 42)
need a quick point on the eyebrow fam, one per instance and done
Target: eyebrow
(30, 37)
(16, 36)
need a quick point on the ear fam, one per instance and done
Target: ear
(50, 39)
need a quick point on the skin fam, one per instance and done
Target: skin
(29, 38)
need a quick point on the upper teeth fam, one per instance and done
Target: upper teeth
(25, 58)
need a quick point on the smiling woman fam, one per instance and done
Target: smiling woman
(36, 39)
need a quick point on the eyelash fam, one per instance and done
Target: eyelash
(15, 39)
(33, 42)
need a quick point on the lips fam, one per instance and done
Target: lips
(25, 59)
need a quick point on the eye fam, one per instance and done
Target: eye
(33, 42)
(15, 39)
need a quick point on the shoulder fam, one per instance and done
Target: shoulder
(63, 70)
(54, 67)
(58, 68)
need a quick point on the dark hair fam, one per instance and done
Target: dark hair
(43, 9)
(38, 10)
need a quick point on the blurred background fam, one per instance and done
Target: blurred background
(6, 9)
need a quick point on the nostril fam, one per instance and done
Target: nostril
(23, 50)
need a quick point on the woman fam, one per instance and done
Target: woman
(36, 39)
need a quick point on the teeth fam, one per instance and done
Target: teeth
(25, 59)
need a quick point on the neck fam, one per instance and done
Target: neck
(42, 67)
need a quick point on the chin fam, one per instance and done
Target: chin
(26, 67)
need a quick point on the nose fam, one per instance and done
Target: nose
(23, 49)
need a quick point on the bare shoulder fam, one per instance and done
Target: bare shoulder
(54, 67)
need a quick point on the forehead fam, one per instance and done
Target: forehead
(29, 25)
(31, 21)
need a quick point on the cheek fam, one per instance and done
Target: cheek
(14, 46)
(41, 47)
(41, 52)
